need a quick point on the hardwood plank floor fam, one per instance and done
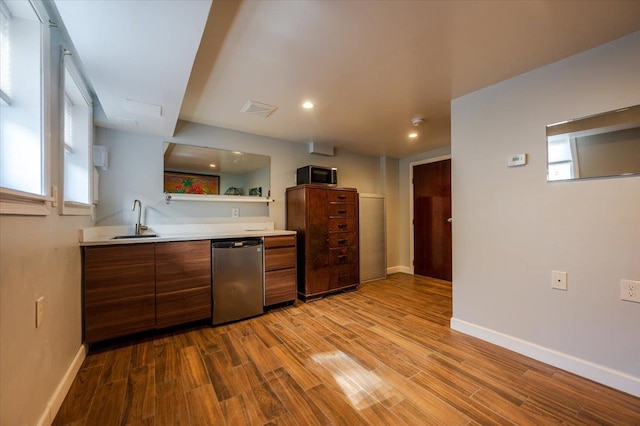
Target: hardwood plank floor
(383, 354)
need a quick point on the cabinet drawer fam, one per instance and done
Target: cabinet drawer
(182, 265)
(183, 306)
(280, 241)
(342, 210)
(344, 275)
(279, 258)
(118, 317)
(342, 225)
(118, 272)
(338, 256)
(337, 196)
(279, 286)
(342, 239)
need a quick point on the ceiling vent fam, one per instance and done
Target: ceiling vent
(257, 108)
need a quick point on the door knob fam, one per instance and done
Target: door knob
(450, 220)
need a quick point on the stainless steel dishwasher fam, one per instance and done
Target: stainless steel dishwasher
(237, 279)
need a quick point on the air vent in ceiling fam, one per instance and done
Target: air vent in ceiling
(257, 108)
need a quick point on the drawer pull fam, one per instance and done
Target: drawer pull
(343, 257)
(341, 197)
(342, 225)
(342, 211)
(342, 241)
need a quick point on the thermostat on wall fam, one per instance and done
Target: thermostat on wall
(517, 160)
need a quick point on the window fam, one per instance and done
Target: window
(562, 158)
(77, 141)
(23, 146)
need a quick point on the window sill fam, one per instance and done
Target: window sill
(71, 208)
(23, 203)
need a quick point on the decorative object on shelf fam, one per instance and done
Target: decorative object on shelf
(233, 191)
(191, 183)
(256, 191)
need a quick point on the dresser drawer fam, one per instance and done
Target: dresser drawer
(342, 210)
(338, 256)
(279, 258)
(344, 275)
(342, 239)
(342, 196)
(342, 225)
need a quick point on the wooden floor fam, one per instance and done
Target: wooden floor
(381, 355)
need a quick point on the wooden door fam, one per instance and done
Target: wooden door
(183, 282)
(317, 253)
(431, 213)
(119, 290)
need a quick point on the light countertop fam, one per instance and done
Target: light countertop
(102, 235)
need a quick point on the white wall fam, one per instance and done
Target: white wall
(39, 256)
(136, 167)
(512, 228)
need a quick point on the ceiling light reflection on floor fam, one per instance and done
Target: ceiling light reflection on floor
(361, 386)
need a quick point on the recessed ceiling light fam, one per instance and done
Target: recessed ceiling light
(307, 105)
(413, 135)
(212, 165)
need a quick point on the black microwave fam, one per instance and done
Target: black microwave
(317, 174)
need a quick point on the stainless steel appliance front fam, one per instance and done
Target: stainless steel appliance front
(237, 279)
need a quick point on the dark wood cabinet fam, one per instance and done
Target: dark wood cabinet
(131, 288)
(280, 269)
(119, 290)
(183, 282)
(326, 220)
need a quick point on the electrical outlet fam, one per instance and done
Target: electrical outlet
(559, 280)
(39, 311)
(235, 212)
(630, 290)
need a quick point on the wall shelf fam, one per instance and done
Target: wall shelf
(217, 198)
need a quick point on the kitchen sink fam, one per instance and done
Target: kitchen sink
(124, 237)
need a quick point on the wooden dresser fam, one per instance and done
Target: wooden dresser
(326, 220)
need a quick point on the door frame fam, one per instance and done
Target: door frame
(411, 227)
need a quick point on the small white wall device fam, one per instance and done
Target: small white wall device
(517, 160)
(101, 157)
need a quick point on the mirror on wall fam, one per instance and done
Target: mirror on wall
(197, 170)
(601, 145)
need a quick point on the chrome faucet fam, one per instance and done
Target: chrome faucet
(139, 226)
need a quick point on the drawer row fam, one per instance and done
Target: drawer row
(342, 196)
(285, 257)
(342, 210)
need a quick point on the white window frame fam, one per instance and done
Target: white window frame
(73, 207)
(573, 162)
(16, 202)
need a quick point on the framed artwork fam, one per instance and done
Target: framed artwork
(190, 183)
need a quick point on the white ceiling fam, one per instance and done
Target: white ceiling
(138, 57)
(369, 66)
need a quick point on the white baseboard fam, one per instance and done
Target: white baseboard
(598, 373)
(396, 269)
(56, 400)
